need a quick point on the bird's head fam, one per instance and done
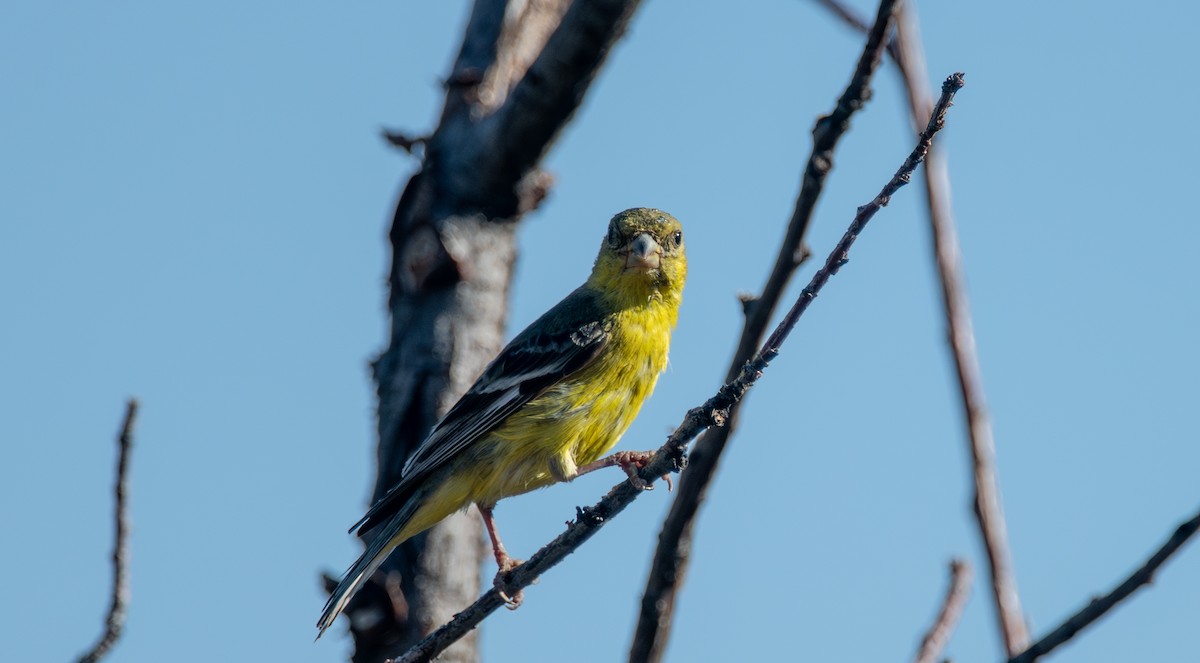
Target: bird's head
(642, 257)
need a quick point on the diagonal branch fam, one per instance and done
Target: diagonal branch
(114, 623)
(1098, 606)
(714, 412)
(952, 606)
(669, 567)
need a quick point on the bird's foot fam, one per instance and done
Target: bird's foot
(631, 462)
(512, 600)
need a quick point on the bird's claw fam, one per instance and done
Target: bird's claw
(512, 600)
(631, 462)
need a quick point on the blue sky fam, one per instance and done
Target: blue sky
(193, 208)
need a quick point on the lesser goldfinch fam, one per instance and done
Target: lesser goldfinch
(552, 403)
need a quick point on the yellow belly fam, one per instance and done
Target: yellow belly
(573, 423)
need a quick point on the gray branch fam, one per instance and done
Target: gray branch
(909, 56)
(114, 623)
(943, 627)
(988, 506)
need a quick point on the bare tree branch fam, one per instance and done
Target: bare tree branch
(527, 27)
(987, 503)
(714, 412)
(517, 107)
(550, 91)
(910, 60)
(1098, 606)
(952, 606)
(669, 567)
(114, 623)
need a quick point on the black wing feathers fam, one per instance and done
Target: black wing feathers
(561, 342)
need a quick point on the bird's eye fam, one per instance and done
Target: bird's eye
(614, 236)
(677, 238)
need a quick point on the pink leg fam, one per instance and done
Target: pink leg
(503, 559)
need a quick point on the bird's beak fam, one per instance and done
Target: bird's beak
(643, 253)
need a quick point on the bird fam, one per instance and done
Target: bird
(548, 408)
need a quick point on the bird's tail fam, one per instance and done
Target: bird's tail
(385, 540)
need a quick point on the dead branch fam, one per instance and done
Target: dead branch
(988, 506)
(1099, 606)
(910, 60)
(114, 623)
(957, 594)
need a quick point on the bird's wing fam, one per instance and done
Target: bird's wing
(564, 340)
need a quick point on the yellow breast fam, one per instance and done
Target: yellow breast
(581, 418)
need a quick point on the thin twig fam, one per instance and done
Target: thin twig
(714, 412)
(1098, 606)
(952, 606)
(114, 623)
(669, 566)
(909, 57)
(840, 254)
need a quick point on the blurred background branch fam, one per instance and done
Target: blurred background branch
(989, 511)
(908, 54)
(948, 615)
